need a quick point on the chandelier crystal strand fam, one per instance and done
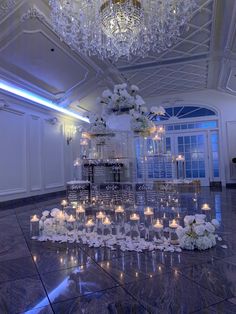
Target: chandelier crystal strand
(120, 28)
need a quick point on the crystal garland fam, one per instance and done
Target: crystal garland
(117, 28)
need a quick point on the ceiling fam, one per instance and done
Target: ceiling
(31, 55)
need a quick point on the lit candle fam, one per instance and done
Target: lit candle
(134, 217)
(61, 215)
(74, 204)
(100, 215)
(119, 209)
(80, 209)
(206, 207)
(180, 158)
(148, 211)
(71, 219)
(158, 224)
(89, 223)
(107, 221)
(34, 226)
(64, 203)
(34, 218)
(173, 224)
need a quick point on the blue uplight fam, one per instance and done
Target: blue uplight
(39, 100)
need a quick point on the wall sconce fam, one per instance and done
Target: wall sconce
(70, 131)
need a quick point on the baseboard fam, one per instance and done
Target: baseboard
(30, 200)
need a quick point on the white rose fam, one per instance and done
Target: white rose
(186, 242)
(215, 223)
(200, 218)
(45, 213)
(55, 212)
(189, 219)
(199, 230)
(180, 232)
(134, 88)
(209, 227)
(107, 93)
(203, 243)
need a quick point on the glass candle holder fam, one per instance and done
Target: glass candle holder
(206, 210)
(89, 225)
(106, 225)
(60, 222)
(148, 214)
(34, 226)
(119, 220)
(99, 219)
(74, 204)
(134, 226)
(64, 203)
(80, 217)
(71, 223)
(158, 229)
(173, 225)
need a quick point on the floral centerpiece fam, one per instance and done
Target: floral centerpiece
(121, 100)
(197, 232)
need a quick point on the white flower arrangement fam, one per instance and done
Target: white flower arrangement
(197, 232)
(121, 99)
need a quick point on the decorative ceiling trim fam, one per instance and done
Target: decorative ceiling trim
(140, 66)
(6, 6)
(33, 13)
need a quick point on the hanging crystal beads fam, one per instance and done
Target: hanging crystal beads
(120, 28)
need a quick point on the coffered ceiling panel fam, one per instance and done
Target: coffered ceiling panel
(35, 56)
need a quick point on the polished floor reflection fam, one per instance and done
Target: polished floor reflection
(38, 277)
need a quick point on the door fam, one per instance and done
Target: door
(193, 146)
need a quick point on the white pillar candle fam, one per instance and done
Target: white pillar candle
(71, 219)
(64, 203)
(173, 224)
(107, 221)
(134, 217)
(34, 226)
(148, 211)
(100, 215)
(158, 225)
(119, 209)
(206, 207)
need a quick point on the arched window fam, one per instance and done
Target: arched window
(184, 112)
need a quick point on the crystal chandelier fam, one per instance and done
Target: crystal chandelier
(120, 28)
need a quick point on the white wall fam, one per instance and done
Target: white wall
(34, 156)
(225, 105)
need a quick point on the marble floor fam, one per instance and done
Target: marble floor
(46, 278)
